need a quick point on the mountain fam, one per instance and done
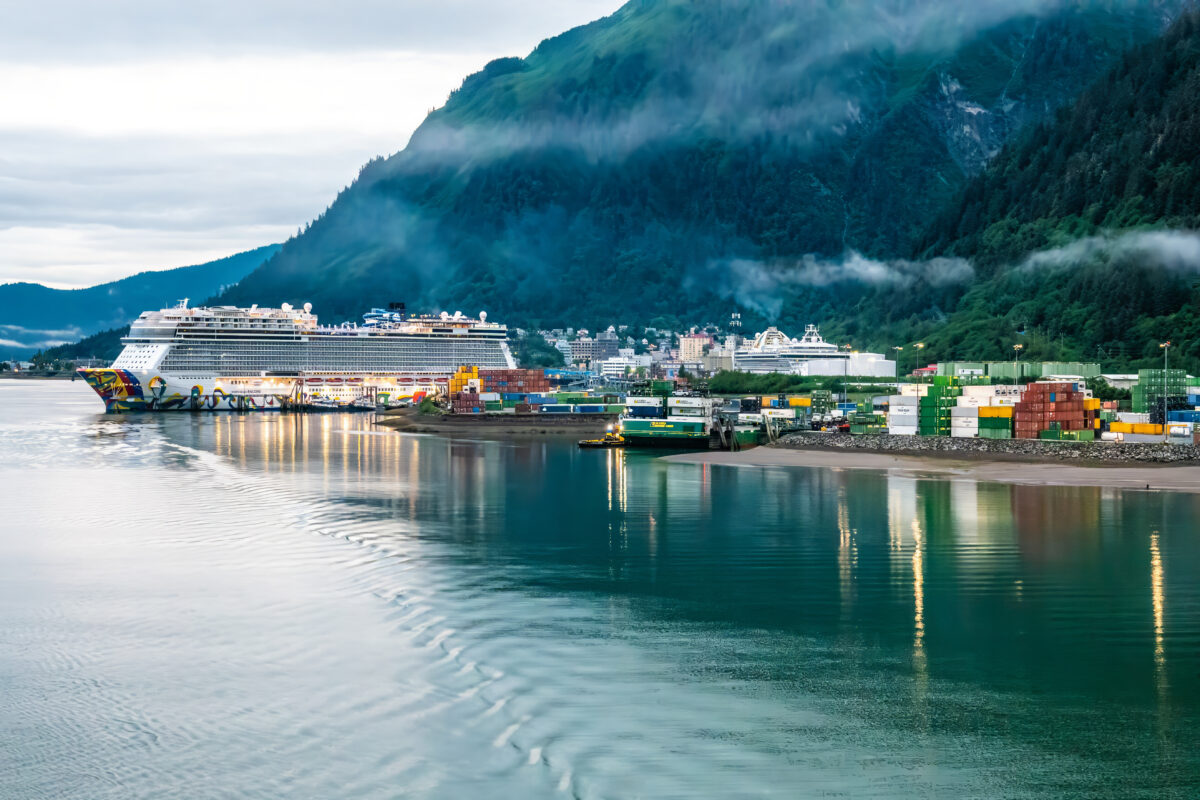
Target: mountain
(34, 317)
(681, 158)
(1085, 228)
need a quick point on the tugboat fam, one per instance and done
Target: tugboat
(610, 440)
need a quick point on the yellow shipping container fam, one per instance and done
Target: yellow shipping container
(1091, 405)
(799, 402)
(1120, 427)
(1002, 412)
(1147, 429)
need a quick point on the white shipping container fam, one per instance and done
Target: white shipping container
(979, 391)
(489, 397)
(902, 430)
(964, 433)
(689, 402)
(964, 412)
(1111, 437)
(779, 413)
(902, 419)
(750, 419)
(1136, 419)
(656, 402)
(914, 389)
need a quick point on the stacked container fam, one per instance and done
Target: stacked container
(964, 421)
(996, 422)
(903, 414)
(1053, 408)
(1160, 391)
(466, 403)
(865, 421)
(933, 410)
(644, 407)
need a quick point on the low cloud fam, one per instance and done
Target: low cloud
(1178, 251)
(764, 286)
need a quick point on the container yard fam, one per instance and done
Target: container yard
(1165, 408)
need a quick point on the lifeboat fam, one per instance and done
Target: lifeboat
(314, 380)
(334, 381)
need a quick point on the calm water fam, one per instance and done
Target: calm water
(265, 606)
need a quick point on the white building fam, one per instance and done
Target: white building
(621, 366)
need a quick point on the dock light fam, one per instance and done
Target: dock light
(609, 429)
(919, 345)
(1166, 348)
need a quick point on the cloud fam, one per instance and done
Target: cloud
(1178, 251)
(764, 286)
(794, 70)
(138, 134)
(71, 333)
(86, 30)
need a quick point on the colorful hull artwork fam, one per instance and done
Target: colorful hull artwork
(123, 391)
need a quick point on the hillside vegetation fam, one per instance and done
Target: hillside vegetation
(679, 159)
(1084, 229)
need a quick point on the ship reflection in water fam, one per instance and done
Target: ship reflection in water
(324, 608)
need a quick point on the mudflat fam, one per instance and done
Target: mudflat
(1164, 477)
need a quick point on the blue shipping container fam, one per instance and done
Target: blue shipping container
(1183, 416)
(547, 408)
(590, 409)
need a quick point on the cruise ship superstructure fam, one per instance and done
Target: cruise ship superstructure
(227, 358)
(774, 351)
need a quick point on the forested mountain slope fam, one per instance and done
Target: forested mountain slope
(678, 158)
(1085, 228)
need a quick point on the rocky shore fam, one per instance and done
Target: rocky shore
(1028, 450)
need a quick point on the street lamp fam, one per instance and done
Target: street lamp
(1166, 348)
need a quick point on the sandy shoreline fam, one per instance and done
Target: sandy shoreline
(1157, 477)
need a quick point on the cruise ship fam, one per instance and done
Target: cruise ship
(774, 351)
(228, 358)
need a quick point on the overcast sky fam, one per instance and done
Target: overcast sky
(146, 134)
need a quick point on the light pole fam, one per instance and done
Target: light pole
(1166, 348)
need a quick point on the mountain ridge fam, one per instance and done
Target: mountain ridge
(613, 171)
(34, 317)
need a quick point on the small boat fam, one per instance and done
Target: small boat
(323, 404)
(610, 440)
(364, 403)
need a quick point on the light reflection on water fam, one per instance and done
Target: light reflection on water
(216, 605)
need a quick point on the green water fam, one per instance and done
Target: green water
(263, 606)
